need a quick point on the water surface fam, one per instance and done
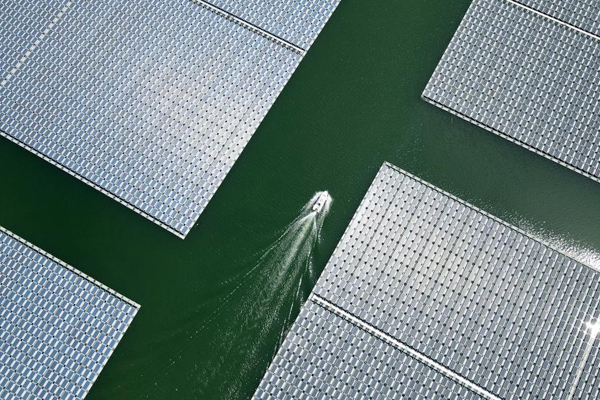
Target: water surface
(353, 103)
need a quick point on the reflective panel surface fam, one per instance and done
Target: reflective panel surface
(298, 22)
(58, 327)
(327, 357)
(526, 78)
(474, 298)
(152, 108)
(583, 14)
(22, 23)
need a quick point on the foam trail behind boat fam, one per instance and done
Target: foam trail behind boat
(261, 305)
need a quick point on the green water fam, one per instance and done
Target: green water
(353, 103)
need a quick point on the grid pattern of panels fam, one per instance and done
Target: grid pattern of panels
(526, 78)
(464, 289)
(22, 22)
(589, 383)
(327, 357)
(296, 21)
(57, 327)
(584, 14)
(153, 107)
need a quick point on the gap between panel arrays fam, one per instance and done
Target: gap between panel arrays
(58, 327)
(528, 70)
(149, 102)
(427, 296)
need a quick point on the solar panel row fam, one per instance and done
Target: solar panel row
(18, 35)
(527, 78)
(58, 327)
(148, 102)
(297, 22)
(327, 357)
(464, 290)
(583, 14)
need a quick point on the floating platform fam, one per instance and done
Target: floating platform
(326, 356)
(580, 14)
(58, 327)
(429, 297)
(528, 70)
(149, 102)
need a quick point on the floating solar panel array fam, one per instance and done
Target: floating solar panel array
(581, 14)
(429, 297)
(327, 357)
(296, 22)
(58, 327)
(528, 70)
(149, 102)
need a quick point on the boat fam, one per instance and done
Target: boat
(321, 202)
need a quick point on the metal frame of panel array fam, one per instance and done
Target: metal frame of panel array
(58, 327)
(149, 102)
(528, 70)
(428, 297)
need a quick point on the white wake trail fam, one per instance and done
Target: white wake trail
(260, 305)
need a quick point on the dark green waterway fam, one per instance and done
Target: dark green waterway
(353, 103)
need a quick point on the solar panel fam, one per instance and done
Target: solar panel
(58, 327)
(21, 24)
(526, 78)
(583, 14)
(464, 293)
(149, 102)
(298, 22)
(327, 357)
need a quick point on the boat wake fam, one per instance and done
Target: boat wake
(251, 321)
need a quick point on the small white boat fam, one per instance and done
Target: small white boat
(321, 201)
